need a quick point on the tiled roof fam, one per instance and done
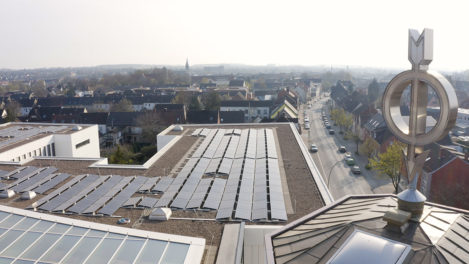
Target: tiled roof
(439, 237)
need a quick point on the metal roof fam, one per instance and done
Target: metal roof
(439, 236)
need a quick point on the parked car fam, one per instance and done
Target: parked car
(342, 149)
(306, 119)
(314, 148)
(331, 132)
(356, 170)
(328, 126)
(307, 126)
(348, 155)
(350, 161)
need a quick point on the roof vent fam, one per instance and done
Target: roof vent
(397, 220)
(76, 128)
(178, 128)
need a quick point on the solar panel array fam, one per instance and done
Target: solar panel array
(244, 156)
(234, 171)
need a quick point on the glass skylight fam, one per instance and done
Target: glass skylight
(362, 247)
(30, 237)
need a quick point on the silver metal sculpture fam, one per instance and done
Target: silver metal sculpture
(414, 134)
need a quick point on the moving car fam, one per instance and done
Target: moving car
(350, 161)
(342, 149)
(356, 170)
(314, 148)
(331, 132)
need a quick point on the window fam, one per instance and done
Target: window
(81, 144)
(29, 154)
(53, 149)
(48, 150)
(44, 153)
(35, 153)
(24, 156)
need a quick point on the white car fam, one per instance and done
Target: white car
(306, 119)
(307, 126)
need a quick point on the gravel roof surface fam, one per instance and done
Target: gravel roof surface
(303, 190)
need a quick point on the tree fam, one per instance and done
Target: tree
(122, 155)
(151, 125)
(355, 138)
(369, 147)
(124, 105)
(373, 91)
(182, 98)
(195, 104)
(13, 109)
(389, 163)
(211, 101)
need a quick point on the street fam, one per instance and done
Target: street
(331, 162)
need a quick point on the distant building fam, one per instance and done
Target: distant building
(21, 142)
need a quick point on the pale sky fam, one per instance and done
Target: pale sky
(63, 33)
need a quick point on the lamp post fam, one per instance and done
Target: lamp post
(330, 171)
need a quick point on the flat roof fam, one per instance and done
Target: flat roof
(16, 134)
(296, 178)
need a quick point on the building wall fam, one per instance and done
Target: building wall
(28, 150)
(264, 111)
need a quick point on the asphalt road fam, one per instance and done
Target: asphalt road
(330, 161)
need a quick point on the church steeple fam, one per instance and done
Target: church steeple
(187, 64)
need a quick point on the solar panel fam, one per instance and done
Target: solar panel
(163, 184)
(216, 192)
(271, 146)
(108, 195)
(24, 173)
(199, 194)
(237, 131)
(212, 166)
(9, 174)
(148, 185)
(241, 149)
(232, 146)
(196, 132)
(132, 202)
(222, 147)
(148, 202)
(35, 181)
(277, 203)
(205, 143)
(69, 193)
(58, 191)
(87, 189)
(209, 153)
(123, 196)
(243, 209)
(94, 196)
(259, 201)
(46, 186)
(252, 144)
(225, 166)
(260, 148)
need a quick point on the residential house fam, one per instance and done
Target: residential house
(251, 109)
(445, 178)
